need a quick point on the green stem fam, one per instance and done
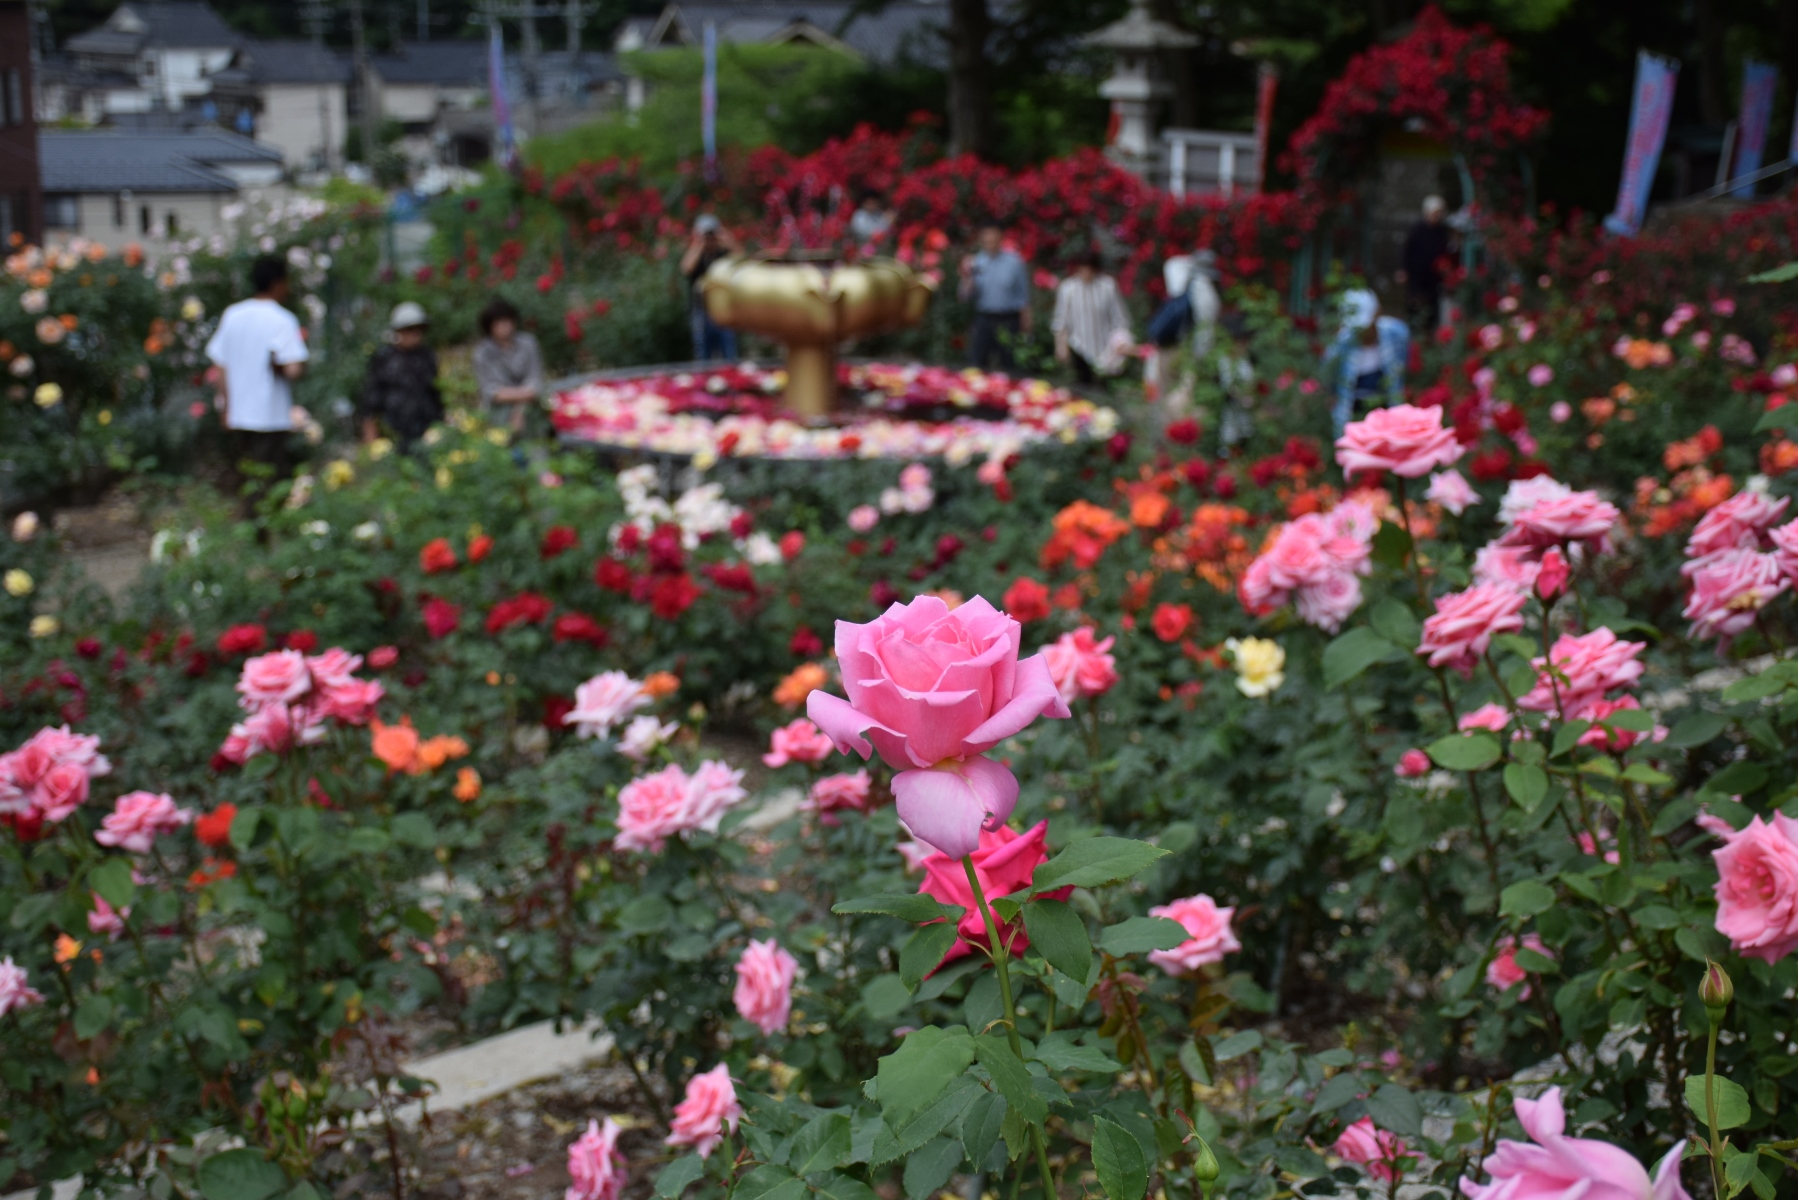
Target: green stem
(1710, 1112)
(1001, 962)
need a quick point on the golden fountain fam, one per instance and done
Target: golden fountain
(812, 305)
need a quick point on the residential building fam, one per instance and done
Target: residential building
(150, 186)
(164, 50)
(293, 96)
(21, 196)
(908, 27)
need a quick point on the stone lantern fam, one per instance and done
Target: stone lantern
(1137, 85)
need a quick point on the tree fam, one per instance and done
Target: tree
(971, 123)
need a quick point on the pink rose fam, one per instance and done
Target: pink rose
(279, 677)
(275, 729)
(1735, 524)
(1458, 633)
(863, 517)
(351, 701)
(1403, 439)
(1488, 716)
(641, 737)
(652, 809)
(837, 793)
(1411, 764)
(1589, 846)
(1757, 886)
(1609, 738)
(798, 741)
(14, 994)
(1584, 669)
(77, 749)
(712, 790)
(1451, 491)
(1503, 972)
(764, 994)
(1576, 517)
(1729, 589)
(1552, 575)
(138, 819)
(932, 690)
(1004, 863)
(1540, 375)
(62, 790)
(1210, 935)
(1378, 1150)
(595, 1166)
(1313, 562)
(709, 1106)
(603, 702)
(1080, 665)
(1330, 601)
(1785, 549)
(103, 918)
(1514, 566)
(334, 668)
(1560, 412)
(1523, 494)
(1557, 1167)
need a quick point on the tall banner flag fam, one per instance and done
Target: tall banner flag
(708, 99)
(1267, 81)
(1758, 81)
(505, 141)
(1650, 108)
(1792, 150)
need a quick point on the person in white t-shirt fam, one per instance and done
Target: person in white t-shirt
(259, 351)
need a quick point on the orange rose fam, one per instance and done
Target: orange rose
(395, 745)
(468, 785)
(435, 751)
(661, 683)
(801, 682)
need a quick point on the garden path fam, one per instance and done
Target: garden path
(107, 542)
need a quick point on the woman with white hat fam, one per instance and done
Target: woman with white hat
(400, 390)
(1367, 361)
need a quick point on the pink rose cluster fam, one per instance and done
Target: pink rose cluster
(1406, 440)
(1378, 1150)
(15, 993)
(701, 1118)
(595, 1166)
(797, 741)
(932, 689)
(1738, 563)
(1757, 885)
(290, 696)
(1461, 629)
(49, 776)
(1080, 665)
(1542, 512)
(1316, 563)
(1578, 672)
(138, 819)
(1552, 1164)
(1209, 934)
(654, 808)
(838, 793)
(764, 992)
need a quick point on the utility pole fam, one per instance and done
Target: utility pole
(366, 112)
(424, 20)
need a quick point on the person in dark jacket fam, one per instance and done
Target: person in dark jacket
(1426, 246)
(400, 390)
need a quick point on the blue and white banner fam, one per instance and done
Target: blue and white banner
(1759, 80)
(505, 139)
(1650, 108)
(708, 98)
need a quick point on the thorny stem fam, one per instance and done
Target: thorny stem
(1473, 793)
(1710, 1111)
(648, 1093)
(1000, 957)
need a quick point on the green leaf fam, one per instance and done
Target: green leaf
(92, 1016)
(1568, 736)
(368, 840)
(1394, 620)
(1695, 730)
(1138, 935)
(1737, 779)
(1395, 1108)
(112, 879)
(1643, 773)
(1093, 862)
(982, 1125)
(1391, 545)
(1118, 1159)
(243, 827)
(675, 1178)
(1192, 1060)
(1337, 1091)
(1781, 274)
(1700, 943)
(1675, 814)
(923, 952)
(928, 1168)
(1059, 935)
(1355, 651)
(1739, 1169)
(915, 1074)
(820, 1145)
(1536, 963)
(240, 1175)
(769, 1182)
(414, 829)
(885, 996)
(1058, 1052)
(1238, 1044)
(1732, 1101)
(1526, 899)
(1634, 720)
(1011, 1077)
(937, 1116)
(907, 906)
(645, 914)
(842, 1187)
(1526, 784)
(1465, 751)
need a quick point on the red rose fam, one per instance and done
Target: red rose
(558, 539)
(243, 639)
(1026, 600)
(791, 543)
(672, 595)
(554, 709)
(382, 657)
(665, 553)
(1171, 621)
(612, 575)
(1183, 432)
(88, 647)
(736, 577)
(303, 640)
(214, 829)
(630, 540)
(441, 617)
(742, 525)
(479, 548)
(805, 643)
(526, 608)
(579, 627)
(436, 556)
(1118, 446)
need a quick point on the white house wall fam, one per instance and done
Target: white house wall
(305, 122)
(196, 214)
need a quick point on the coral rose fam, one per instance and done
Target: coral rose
(932, 689)
(764, 992)
(1557, 1167)
(1503, 972)
(836, 793)
(709, 1106)
(1404, 439)
(1026, 600)
(1458, 633)
(1080, 665)
(797, 741)
(1210, 936)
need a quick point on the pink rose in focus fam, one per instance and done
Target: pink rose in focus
(1551, 578)
(1451, 491)
(1552, 1166)
(603, 702)
(1406, 440)
(279, 677)
(1378, 1150)
(1411, 764)
(701, 1118)
(1577, 517)
(138, 819)
(837, 793)
(798, 741)
(1461, 629)
(932, 689)
(1492, 717)
(1211, 937)
(1736, 524)
(334, 668)
(1004, 863)
(1729, 589)
(652, 809)
(14, 993)
(764, 993)
(1080, 665)
(1785, 549)
(1757, 885)
(596, 1169)
(63, 789)
(1503, 972)
(1585, 668)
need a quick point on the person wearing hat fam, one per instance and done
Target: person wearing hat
(1368, 358)
(400, 390)
(710, 242)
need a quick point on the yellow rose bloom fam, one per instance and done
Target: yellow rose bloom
(337, 474)
(19, 583)
(44, 626)
(1260, 665)
(48, 395)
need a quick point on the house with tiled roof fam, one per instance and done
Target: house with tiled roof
(150, 186)
(292, 95)
(159, 54)
(908, 27)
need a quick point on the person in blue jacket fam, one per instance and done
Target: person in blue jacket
(1366, 363)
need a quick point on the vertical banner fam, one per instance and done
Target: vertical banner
(505, 140)
(1267, 81)
(1650, 107)
(708, 100)
(1792, 150)
(1758, 81)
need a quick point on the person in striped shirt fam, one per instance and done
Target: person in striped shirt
(1091, 326)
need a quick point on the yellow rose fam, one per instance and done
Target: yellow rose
(18, 583)
(445, 477)
(380, 448)
(499, 437)
(192, 309)
(338, 474)
(48, 395)
(44, 626)
(105, 417)
(1260, 665)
